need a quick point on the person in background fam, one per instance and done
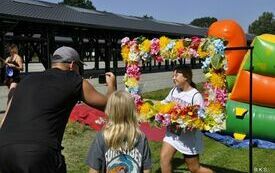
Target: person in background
(188, 142)
(14, 64)
(34, 124)
(121, 146)
(2, 70)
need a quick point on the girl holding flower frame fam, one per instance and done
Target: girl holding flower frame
(188, 141)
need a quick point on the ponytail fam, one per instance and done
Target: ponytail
(193, 85)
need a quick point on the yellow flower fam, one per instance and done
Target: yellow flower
(179, 47)
(145, 46)
(179, 44)
(208, 75)
(186, 54)
(125, 53)
(165, 54)
(202, 54)
(174, 117)
(131, 82)
(206, 127)
(173, 54)
(214, 108)
(198, 123)
(217, 80)
(163, 41)
(190, 113)
(165, 108)
(146, 110)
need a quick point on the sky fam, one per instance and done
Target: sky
(184, 11)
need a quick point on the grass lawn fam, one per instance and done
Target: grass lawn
(220, 158)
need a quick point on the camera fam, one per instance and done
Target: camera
(102, 78)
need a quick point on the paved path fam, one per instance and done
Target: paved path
(150, 81)
(3, 98)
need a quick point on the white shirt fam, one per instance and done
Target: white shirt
(189, 142)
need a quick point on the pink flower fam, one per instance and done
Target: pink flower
(125, 41)
(221, 96)
(195, 42)
(138, 99)
(193, 53)
(154, 46)
(158, 58)
(133, 44)
(133, 70)
(159, 118)
(163, 119)
(167, 120)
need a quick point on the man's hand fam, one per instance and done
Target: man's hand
(111, 83)
(110, 79)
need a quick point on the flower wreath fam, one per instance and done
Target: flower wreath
(210, 50)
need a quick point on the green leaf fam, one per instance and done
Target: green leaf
(216, 61)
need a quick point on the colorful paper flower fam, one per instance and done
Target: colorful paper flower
(125, 41)
(163, 42)
(217, 80)
(145, 46)
(131, 82)
(155, 47)
(125, 53)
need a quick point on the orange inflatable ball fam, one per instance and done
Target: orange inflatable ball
(232, 32)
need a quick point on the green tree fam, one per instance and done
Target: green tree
(264, 24)
(203, 22)
(147, 17)
(79, 3)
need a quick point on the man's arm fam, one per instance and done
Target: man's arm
(94, 98)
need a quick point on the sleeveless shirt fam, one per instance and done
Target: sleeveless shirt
(15, 73)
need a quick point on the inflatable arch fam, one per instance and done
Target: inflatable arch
(263, 78)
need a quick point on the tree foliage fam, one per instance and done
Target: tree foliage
(147, 17)
(80, 3)
(264, 24)
(203, 22)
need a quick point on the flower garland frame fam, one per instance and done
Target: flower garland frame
(210, 50)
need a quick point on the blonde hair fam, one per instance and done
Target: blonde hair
(13, 48)
(121, 131)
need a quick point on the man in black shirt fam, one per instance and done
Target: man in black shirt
(33, 128)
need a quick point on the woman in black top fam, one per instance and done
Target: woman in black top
(14, 64)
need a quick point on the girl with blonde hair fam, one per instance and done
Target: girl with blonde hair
(121, 146)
